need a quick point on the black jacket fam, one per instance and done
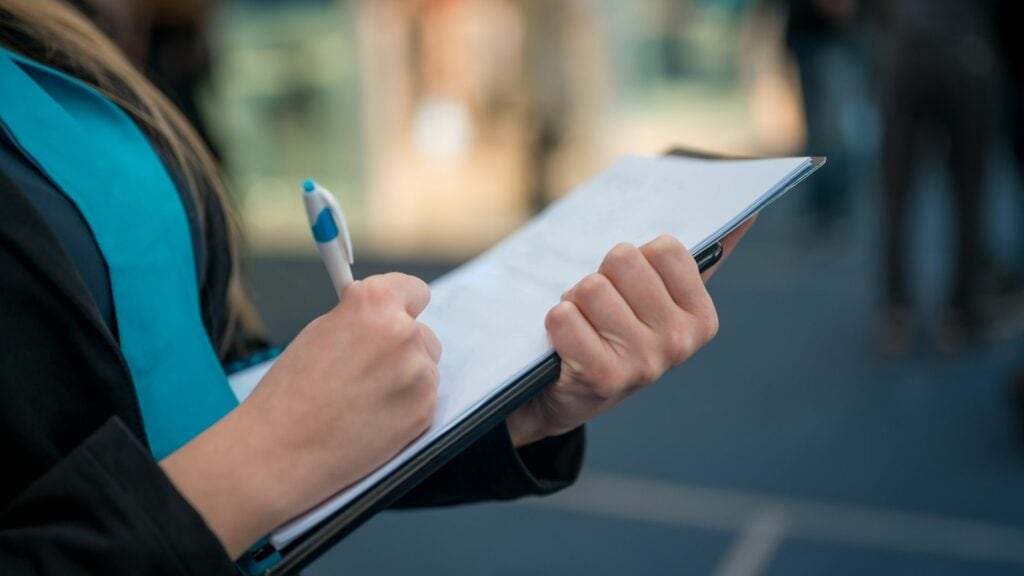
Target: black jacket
(80, 492)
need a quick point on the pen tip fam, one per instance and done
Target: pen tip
(309, 186)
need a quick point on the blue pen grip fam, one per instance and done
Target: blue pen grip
(325, 229)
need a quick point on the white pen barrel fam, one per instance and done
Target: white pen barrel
(336, 262)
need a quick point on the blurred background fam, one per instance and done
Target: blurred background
(861, 410)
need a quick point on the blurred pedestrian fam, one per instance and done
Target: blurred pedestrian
(1011, 47)
(819, 33)
(939, 76)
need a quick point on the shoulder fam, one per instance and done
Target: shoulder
(64, 220)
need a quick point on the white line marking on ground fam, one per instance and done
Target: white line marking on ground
(643, 500)
(756, 544)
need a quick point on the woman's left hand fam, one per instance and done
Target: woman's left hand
(644, 311)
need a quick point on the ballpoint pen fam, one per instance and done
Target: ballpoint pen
(330, 231)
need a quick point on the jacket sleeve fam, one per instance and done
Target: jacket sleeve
(106, 508)
(79, 491)
(493, 469)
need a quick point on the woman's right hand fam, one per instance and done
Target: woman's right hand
(356, 386)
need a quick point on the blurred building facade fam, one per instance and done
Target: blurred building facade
(443, 124)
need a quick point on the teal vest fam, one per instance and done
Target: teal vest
(94, 153)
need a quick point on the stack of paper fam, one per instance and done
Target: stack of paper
(489, 313)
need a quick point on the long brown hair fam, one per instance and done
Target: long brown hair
(55, 34)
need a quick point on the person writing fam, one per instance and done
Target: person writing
(119, 301)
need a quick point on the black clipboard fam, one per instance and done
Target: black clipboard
(382, 495)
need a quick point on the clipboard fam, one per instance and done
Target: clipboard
(266, 560)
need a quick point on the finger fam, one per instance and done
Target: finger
(576, 341)
(410, 290)
(606, 310)
(639, 284)
(430, 342)
(678, 270)
(729, 244)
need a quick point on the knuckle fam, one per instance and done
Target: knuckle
(420, 285)
(423, 369)
(406, 328)
(601, 374)
(356, 291)
(666, 245)
(424, 331)
(651, 367)
(649, 372)
(413, 284)
(679, 343)
(621, 256)
(424, 413)
(432, 375)
(426, 418)
(430, 390)
(592, 286)
(422, 389)
(396, 327)
(711, 325)
(553, 320)
(378, 292)
(408, 279)
(429, 337)
(558, 316)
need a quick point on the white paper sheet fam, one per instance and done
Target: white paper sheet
(489, 313)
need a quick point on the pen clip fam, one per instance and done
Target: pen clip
(339, 219)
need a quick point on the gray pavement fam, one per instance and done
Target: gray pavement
(787, 446)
